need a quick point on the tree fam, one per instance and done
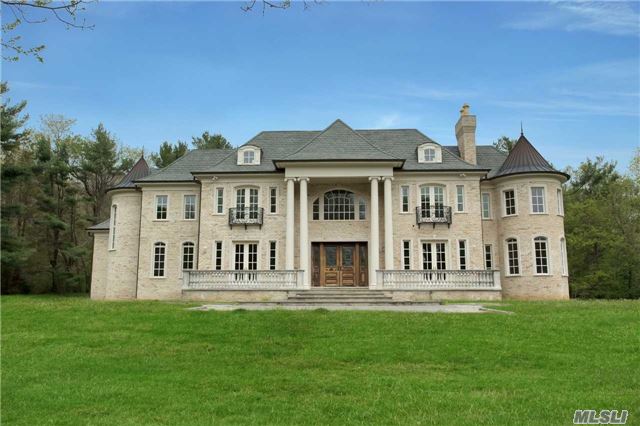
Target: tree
(207, 141)
(169, 153)
(12, 121)
(505, 144)
(37, 12)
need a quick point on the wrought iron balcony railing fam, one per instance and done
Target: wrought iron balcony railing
(436, 213)
(246, 216)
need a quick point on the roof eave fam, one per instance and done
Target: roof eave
(396, 163)
(534, 172)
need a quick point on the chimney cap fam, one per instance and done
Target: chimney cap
(464, 110)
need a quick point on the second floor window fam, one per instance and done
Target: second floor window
(219, 200)
(404, 199)
(112, 239)
(432, 201)
(273, 200)
(560, 201)
(509, 202)
(537, 199)
(161, 207)
(189, 207)
(362, 209)
(247, 203)
(315, 210)
(339, 205)
(460, 198)
(486, 205)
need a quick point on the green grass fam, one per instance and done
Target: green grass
(75, 361)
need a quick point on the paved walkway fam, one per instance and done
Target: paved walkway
(462, 308)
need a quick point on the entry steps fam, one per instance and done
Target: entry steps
(345, 296)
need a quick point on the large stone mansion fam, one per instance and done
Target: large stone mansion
(391, 210)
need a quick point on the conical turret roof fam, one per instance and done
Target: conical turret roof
(524, 158)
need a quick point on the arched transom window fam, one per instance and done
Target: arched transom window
(339, 205)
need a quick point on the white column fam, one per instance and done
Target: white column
(290, 222)
(374, 245)
(304, 233)
(388, 224)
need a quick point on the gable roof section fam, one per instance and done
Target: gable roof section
(487, 156)
(138, 171)
(524, 158)
(180, 170)
(339, 142)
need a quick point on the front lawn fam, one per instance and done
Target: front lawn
(75, 361)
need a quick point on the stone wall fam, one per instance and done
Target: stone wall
(99, 265)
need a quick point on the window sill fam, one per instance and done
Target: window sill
(512, 275)
(160, 220)
(535, 274)
(406, 212)
(510, 215)
(539, 214)
(111, 249)
(487, 218)
(189, 220)
(461, 212)
(158, 278)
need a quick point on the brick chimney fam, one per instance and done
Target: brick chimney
(466, 135)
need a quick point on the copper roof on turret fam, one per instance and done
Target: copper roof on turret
(524, 158)
(138, 171)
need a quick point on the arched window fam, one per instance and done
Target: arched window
(188, 250)
(541, 255)
(159, 254)
(339, 205)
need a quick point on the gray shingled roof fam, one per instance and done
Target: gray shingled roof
(524, 158)
(337, 142)
(138, 171)
(102, 226)
(486, 155)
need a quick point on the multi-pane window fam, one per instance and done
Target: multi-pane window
(429, 155)
(272, 255)
(404, 199)
(509, 202)
(560, 201)
(513, 259)
(189, 207)
(219, 200)
(188, 251)
(406, 254)
(488, 256)
(486, 205)
(339, 205)
(432, 201)
(316, 209)
(434, 255)
(218, 255)
(249, 157)
(159, 254)
(541, 254)
(273, 200)
(460, 198)
(112, 239)
(247, 197)
(246, 256)
(462, 254)
(563, 256)
(362, 209)
(239, 259)
(537, 199)
(161, 207)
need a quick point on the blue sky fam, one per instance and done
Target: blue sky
(155, 71)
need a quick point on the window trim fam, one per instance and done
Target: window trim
(214, 265)
(445, 194)
(401, 209)
(216, 204)
(447, 253)
(559, 202)
(155, 208)
(240, 161)
(421, 151)
(491, 257)
(182, 245)
(489, 216)
(544, 200)
(464, 201)
(153, 260)
(402, 256)
(273, 243)
(533, 252)
(504, 202)
(322, 206)
(466, 254)
(246, 255)
(112, 227)
(271, 202)
(507, 264)
(184, 207)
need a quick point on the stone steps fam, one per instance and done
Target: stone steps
(342, 296)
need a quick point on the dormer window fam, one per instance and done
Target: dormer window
(429, 153)
(248, 155)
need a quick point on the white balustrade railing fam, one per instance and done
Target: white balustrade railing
(242, 280)
(438, 280)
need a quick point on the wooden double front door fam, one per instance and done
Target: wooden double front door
(339, 264)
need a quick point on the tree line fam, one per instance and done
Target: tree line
(54, 185)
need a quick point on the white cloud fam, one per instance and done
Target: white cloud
(615, 18)
(387, 121)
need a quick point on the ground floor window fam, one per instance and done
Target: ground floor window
(488, 256)
(462, 254)
(188, 251)
(272, 255)
(541, 255)
(406, 254)
(513, 260)
(434, 255)
(159, 254)
(246, 258)
(218, 255)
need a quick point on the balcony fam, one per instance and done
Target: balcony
(242, 280)
(433, 214)
(246, 216)
(439, 280)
